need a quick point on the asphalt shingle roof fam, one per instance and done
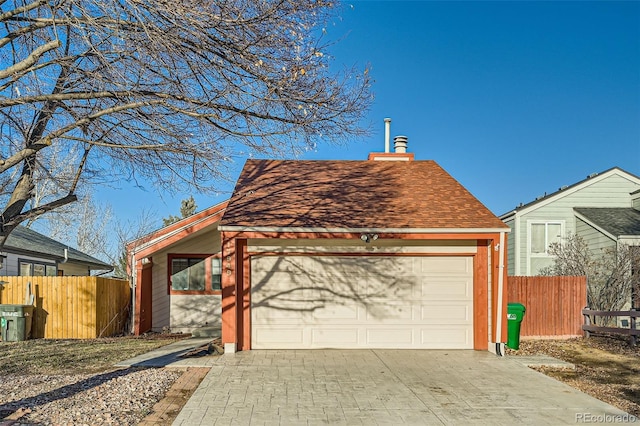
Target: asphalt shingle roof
(29, 241)
(616, 221)
(353, 195)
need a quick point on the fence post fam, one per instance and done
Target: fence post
(632, 325)
(587, 321)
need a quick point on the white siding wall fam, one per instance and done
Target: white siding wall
(610, 191)
(71, 268)
(184, 312)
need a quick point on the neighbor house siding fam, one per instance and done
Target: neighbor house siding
(11, 265)
(611, 191)
(74, 269)
(511, 246)
(178, 312)
(597, 241)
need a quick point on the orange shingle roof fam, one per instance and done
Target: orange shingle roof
(353, 195)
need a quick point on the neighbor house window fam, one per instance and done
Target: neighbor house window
(194, 273)
(37, 269)
(542, 235)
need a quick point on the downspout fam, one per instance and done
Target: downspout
(499, 313)
(134, 276)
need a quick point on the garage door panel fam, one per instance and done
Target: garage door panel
(292, 336)
(384, 313)
(336, 313)
(450, 314)
(337, 337)
(446, 289)
(445, 265)
(389, 337)
(361, 302)
(446, 338)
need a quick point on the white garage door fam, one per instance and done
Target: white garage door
(307, 302)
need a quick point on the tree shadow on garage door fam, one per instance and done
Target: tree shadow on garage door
(348, 286)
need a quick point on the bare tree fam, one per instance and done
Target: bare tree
(127, 231)
(165, 91)
(612, 274)
(85, 225)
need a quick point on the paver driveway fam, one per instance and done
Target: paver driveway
(384, 387)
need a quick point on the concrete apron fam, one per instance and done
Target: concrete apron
(369, 387)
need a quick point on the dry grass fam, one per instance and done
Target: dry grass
(50, 357)
(607, 367)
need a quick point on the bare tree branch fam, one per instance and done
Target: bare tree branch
(166, 91)
(27, 62)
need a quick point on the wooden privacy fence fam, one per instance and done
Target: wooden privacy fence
(553, 304)
(71, 307)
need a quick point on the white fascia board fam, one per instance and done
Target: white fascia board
(508, 215)
(629, 239)
(356, 230)
(593, 225)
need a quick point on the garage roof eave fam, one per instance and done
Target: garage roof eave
(235, 228)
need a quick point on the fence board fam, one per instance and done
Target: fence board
(71, 307)
(553, 304)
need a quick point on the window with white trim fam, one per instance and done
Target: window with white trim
(542, 235)
(36, 268)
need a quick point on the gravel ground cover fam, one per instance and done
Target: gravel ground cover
(607, 367)
(73, 382)
(117, 397)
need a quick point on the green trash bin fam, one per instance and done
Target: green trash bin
(515, 315)
(15, 322)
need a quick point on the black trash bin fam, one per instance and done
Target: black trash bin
(15, 322)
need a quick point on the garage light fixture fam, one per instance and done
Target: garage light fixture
(367, 238)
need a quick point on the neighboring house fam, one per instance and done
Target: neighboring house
(27, 252)
(332, 254)
(604, 209)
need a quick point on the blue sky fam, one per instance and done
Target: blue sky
(513, 99)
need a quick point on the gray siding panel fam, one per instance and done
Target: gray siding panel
(511, 247)
(597, 241)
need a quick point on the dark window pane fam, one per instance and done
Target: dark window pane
(196, 274)
(187, 274)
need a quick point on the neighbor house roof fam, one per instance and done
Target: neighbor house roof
(353, 195)
(29, 242)
(615, 221)
(568, 189)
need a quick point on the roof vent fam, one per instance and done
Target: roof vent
(400, 144)
(563, 187)
(592, 175)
